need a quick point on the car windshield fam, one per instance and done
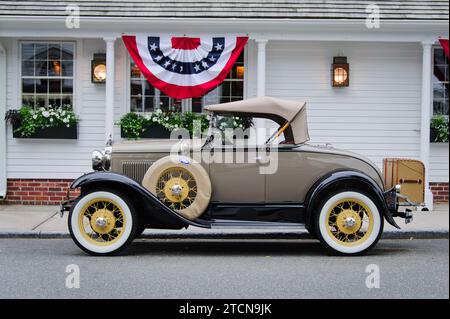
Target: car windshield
(229, 130)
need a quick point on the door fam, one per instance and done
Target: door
(235, 175)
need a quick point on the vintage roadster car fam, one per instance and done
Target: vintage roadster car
(340, 197)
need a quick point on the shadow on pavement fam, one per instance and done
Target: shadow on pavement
(241, 248)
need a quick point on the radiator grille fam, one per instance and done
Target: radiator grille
(135, 169)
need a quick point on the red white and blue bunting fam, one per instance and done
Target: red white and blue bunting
(183, 67)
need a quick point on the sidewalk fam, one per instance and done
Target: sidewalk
(18, 221)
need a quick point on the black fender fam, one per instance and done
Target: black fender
(148, 205)
(341, 179)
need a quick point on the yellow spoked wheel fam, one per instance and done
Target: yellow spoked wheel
(350, 222)
(177, 188)
(101, 221)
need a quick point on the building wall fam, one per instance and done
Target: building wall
(65, 159)
(377, 116)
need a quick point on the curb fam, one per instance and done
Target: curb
(420, 234)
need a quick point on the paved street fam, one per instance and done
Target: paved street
(35, 268)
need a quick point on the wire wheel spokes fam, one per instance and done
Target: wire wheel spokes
(176, 188)
(350, 222)
(102, 221)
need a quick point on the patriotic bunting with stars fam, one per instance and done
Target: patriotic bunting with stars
(184, 67)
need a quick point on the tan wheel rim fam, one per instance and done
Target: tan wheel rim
(349, 222)
(177, 188)
(102, 221)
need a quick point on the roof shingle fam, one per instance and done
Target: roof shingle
(292, 9)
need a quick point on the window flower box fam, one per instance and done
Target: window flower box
(54, 132)
(149, 131)
(42, 123)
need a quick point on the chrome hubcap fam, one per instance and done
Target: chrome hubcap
(350, 222)
(101, 222)
(176, 190)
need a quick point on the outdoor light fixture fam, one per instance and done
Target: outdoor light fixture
(98, 68)
(340, 70)
(240, 70)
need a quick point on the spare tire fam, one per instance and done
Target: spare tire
(180, 183)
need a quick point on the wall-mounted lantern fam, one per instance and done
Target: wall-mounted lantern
(340, 72)
(98, 68)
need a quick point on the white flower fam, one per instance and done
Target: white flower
(158, 111)
(45, 114)
(154, 119)
(51, 119)
(34, 116)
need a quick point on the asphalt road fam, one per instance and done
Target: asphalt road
(36, 268)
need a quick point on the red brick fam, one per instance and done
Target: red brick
(35, 193)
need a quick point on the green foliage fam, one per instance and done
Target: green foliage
(134, 124)
(31, 119)
(440, 124)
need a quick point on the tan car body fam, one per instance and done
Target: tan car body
(299, 167)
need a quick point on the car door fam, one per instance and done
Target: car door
(287, 182)
(235, 175)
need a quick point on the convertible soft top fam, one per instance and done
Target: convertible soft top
(280, 111)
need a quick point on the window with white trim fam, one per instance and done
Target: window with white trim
(146, 98)
(440, 81)
(47, 74)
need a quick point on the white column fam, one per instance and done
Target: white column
(3, 147)
(261, 68)
(109, 95)
(425, 118)
(260, 124)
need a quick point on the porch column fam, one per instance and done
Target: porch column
(425, 118)
(261, 67)
(260, 124)
(109, 95)
(3, 147)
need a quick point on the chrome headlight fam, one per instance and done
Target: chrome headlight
(101, 160)
(97, 160)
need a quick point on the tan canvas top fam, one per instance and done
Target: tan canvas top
(267, 107)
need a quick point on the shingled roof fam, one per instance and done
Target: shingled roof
(253, 9)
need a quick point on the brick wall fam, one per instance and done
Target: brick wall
(37, 191)
(53, 191)
(440, 192)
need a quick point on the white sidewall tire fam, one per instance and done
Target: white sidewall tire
(81, 240)
(323, 223)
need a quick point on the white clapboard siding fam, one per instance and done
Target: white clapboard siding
(383, 99)
(377, 116)
(439, 162)
(64, 158)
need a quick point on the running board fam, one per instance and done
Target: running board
(223, 223)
